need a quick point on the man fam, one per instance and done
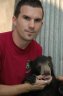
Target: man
(17, 48)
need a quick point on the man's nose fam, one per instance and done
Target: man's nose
(31, 24)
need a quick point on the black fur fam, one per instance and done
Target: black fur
(50, 90)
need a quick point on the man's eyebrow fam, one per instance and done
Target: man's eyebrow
(26, 16)
(36, 18)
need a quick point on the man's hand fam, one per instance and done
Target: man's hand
(40, 83)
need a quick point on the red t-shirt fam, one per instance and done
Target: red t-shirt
(13, 60)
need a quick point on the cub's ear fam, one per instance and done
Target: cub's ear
(50, 61)
(51, 65)
(32, 65)
(50, 58)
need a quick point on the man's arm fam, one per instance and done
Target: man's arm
(6, 90)
(12, 90)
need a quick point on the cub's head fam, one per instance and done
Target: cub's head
(42, 65)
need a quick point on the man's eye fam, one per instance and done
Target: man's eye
(26, 18)
(38, 20)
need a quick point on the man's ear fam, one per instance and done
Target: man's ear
(14, 21)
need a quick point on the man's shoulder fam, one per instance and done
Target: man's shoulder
(4, 37)
(5, 33)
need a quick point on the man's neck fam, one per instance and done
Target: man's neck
(19, 42)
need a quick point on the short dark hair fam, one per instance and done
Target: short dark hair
(33, 3)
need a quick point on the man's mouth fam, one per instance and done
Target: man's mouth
(30, 31)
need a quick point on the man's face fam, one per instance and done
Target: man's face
(28, 23)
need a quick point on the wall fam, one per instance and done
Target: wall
(6, 13)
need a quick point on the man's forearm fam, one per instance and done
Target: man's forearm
(6, 90)
(12, 90)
